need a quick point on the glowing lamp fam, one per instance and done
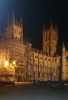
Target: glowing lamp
(14, 62)
(6, 63)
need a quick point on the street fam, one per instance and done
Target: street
(28, 91)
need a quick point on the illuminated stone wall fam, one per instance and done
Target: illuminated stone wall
(45, 67)
(64, 63)
(12, 47)
(43, 64)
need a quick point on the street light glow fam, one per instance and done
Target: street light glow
(6, 63)
(14, 62)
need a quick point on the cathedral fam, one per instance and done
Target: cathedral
(20, 59)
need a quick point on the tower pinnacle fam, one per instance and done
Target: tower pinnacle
(21, 21)
(8, 22)
(13, 18)
(63, 44)
(51, 24)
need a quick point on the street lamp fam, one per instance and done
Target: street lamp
(6, 63)
(14, 62)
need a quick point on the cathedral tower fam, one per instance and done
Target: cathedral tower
(14, 29)
(50, 39)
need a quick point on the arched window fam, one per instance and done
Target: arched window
(39, 74)
(49, 35)
(15, 31)
(17, 38)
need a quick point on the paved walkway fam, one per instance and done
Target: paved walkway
(28, 91)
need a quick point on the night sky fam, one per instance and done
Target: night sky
(34, 14)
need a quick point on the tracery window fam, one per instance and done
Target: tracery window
(17, 38)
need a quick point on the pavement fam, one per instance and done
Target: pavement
(28, 91)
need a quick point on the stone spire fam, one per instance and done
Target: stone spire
(21, 21)
(8, 21)
(44, 28)
(4, 29)
(63, 49)
(63, 45)
(51, 25)
(16, 22)
(56, 28)
(0, 31)
(13, 18)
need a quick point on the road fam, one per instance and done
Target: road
(28, 91)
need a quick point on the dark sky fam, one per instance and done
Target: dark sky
(34, 14)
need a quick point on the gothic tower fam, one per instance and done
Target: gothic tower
(50, 39)
(14, 29)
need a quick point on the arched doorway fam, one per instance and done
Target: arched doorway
(19, 78)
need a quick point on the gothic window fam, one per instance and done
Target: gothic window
(48, 36)
(17, 38)
(47, 50)
(36, 65)
(15, 31)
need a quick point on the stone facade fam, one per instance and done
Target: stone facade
(32, 63)
(12, 48)
(45, 67)
(64, 63)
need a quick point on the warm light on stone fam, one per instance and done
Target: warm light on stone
(14, 62)
(6, 63)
